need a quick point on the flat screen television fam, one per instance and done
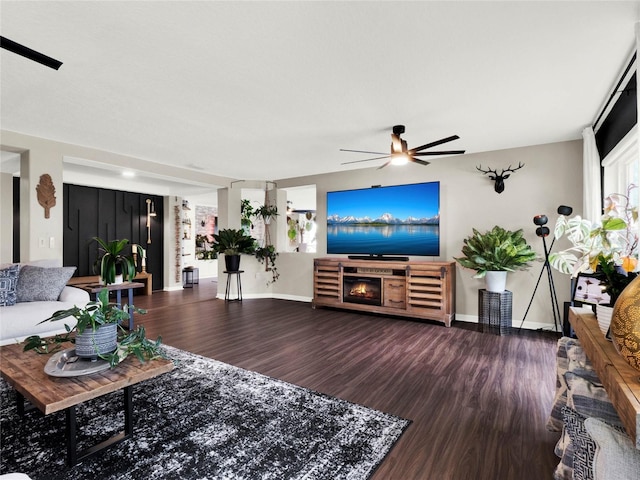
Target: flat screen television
(397, 220)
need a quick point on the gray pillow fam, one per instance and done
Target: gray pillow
(8, 284)
(616, 457)
(37, 284)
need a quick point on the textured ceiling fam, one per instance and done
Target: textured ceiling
(268, 90)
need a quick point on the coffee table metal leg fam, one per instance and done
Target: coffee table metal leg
(73, 456)
(72, 452)
(20, 403)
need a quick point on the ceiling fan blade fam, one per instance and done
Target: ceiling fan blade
(442, 152)
(433, 144)
(365, 160)
(28, 53)
(363, 151)
(384, 165)
(419, 161)
(396, 143)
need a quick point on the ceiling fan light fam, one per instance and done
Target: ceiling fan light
(399, 159)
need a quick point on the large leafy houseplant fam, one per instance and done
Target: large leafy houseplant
(113, 261)
(608, 247)
(233, 242)
(496, 250)
(90, 318)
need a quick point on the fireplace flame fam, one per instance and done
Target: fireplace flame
(359, 290)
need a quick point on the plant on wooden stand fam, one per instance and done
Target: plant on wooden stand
(94, 316)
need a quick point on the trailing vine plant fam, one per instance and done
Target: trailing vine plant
(268, 255)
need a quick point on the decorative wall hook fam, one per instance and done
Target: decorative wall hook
(499, 178)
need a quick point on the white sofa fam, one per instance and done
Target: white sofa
(22, 320)
(32, 292)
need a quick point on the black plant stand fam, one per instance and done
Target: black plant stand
(238, 285)
(495, 311)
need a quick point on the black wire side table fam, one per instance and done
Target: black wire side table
(495, 311)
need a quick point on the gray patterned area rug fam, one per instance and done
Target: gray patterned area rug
(205, 420)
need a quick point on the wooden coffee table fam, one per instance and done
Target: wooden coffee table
(24, 371)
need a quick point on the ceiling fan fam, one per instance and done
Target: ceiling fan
(400, 154)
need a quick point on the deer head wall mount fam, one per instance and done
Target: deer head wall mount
(499, 178)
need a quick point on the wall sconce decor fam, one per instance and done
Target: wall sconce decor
(151, 212)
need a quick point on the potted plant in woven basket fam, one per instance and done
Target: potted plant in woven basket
(494, 253)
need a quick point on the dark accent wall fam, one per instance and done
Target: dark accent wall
(109, 214)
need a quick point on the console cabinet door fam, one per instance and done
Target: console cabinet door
(394, 293)
(327, 283)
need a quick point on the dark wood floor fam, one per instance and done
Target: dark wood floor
(478, 402)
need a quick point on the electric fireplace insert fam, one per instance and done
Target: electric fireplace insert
(364, 290)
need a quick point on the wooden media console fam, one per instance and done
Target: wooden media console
(417, 289)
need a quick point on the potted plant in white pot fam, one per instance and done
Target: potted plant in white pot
(266, 212)
(494, 253)
(608, 248)
(97, 333)
(232, 243)
(114, 265)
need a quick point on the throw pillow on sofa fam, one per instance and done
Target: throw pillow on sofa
(8, 285)
(616, 456)
(587, 398)
(570, 357)
(36, 284)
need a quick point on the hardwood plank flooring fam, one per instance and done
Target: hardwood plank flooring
(478, 402)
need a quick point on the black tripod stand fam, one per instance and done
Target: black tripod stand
(543, 232)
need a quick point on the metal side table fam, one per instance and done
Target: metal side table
(238, 285)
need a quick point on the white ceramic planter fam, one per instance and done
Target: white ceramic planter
(603, 315)
(496, 281)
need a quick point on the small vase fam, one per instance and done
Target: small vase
(603, 315)
(496, 281)
(625, 324)
(92, 343)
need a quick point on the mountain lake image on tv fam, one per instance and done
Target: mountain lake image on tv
(395, 220)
